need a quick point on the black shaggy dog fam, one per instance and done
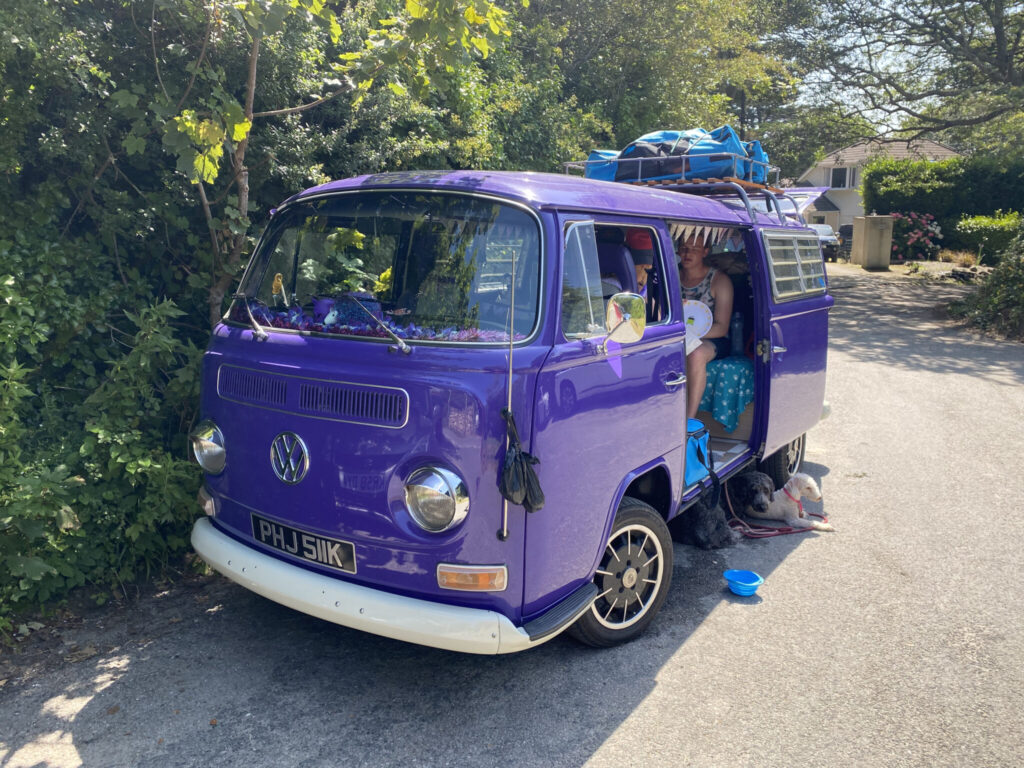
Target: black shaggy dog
(706, 527)
(703, 526)
(751, 493)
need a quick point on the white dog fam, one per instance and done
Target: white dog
(786, 504)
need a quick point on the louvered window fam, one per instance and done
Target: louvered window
(796, 266)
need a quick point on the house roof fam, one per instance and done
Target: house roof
(823, 204)
(860, 152)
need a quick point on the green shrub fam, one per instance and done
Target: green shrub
(989, 235)
(998, 304)
(948, 189)
(95, 487)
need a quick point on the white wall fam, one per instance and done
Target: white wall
(847, 200)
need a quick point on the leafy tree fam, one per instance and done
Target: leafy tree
(655, 63)
(432, 36)
(925, 65)
(798, 136)
(133, 142)
(1002, 136)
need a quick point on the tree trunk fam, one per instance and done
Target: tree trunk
(220, 286)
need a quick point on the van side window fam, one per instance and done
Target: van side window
(630, 260)
(796, 266)
(582, 299)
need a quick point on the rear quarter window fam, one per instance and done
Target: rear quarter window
(795, 265)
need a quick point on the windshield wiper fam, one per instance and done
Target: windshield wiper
(402, 346)
(257, 332)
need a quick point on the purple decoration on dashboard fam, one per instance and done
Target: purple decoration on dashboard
(337, 317)
(320, 309)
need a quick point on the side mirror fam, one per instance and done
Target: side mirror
(625, 318)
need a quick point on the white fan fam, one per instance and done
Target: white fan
(698, 318)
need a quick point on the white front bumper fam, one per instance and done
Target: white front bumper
(454, 628)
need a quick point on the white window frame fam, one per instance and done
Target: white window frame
(596, 322)
(851, 176)
(804, 253)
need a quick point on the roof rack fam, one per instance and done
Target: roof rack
(726, 186)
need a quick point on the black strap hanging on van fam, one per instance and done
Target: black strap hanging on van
(518, 482)
(710, 495)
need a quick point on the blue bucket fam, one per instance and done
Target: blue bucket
(743, 582)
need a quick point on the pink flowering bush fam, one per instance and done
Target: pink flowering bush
(915, 236)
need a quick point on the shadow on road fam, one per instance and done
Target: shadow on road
(900, 322)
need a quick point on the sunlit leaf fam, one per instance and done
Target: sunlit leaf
(415, 9)
(240, 130)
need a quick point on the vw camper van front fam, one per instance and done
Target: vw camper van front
(351, 407)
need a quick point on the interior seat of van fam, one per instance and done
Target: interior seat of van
(616, 264)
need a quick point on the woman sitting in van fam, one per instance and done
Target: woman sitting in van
(705, 284)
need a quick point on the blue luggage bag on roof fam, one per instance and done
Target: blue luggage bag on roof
(755, 172)
(656, 155)
(604, 171)
(722, 140)
(670, 154)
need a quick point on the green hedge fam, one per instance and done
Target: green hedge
(989, 235)
(948, 189)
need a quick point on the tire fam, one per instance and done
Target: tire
(785, 462)
(635, 572)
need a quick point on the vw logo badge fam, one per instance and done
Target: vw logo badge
(289, 457)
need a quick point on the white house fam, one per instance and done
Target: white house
(841, 172)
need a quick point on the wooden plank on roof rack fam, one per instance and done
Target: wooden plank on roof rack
(753, 187)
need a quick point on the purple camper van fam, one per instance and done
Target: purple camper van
(353, 434)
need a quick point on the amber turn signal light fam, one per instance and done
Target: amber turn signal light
(472, 578)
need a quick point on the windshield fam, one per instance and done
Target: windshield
(428, 266)
(823, 229)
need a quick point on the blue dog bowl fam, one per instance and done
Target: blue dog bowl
(743, 582)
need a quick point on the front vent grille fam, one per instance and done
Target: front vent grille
(252, 387)
(351, 402)
(332, 400)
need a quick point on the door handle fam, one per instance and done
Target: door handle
(681, 379)
(777, 350)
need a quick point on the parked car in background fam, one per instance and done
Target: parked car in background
(828, 240)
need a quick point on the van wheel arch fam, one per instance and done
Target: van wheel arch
(653, 488)
(785, 462)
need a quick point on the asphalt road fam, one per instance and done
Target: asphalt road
(896, 641)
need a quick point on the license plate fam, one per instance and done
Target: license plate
(333, 553)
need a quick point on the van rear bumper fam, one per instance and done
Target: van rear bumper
(451, 627)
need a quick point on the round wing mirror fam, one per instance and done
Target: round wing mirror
(626, 318)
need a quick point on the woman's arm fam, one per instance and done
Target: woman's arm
(721, 289)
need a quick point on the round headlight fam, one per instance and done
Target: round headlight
(208, 446)
(436, 498)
